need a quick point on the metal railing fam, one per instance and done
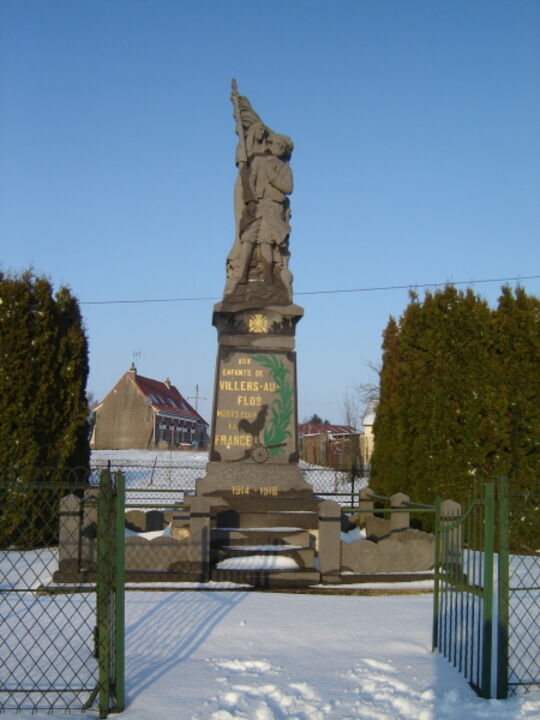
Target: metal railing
(463, 592)
(486, 604)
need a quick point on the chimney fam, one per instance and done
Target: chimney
(133, 369)
(167, 382)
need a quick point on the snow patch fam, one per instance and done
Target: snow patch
(258, 562)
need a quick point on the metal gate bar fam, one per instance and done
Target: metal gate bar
(463, 597)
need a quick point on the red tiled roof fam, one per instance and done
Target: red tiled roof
(165, 397)
(319, 428)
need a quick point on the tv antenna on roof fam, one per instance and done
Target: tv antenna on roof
(197, 397)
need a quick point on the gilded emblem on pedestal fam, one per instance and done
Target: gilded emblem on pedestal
(258, 323)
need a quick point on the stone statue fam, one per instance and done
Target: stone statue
(258, 264)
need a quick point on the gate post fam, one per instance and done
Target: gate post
(487, 625)
(436, 575)
(119, 587)
(105, 533)
(110, 594)
(502, 591)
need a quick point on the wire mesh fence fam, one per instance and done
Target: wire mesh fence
(519, 579)
(487, 588)
(51, 657)
(46, 640)
(166, 482)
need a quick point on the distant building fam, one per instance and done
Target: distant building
(367, 438)
(141, 413)
(329, 445)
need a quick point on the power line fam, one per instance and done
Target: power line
(413, 286)
(410, 286)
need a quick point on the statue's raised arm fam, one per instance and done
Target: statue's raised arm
(257, 266)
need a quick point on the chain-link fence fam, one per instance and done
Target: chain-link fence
(487, 587)
(340, 484)
(158, 484)
(519, 580)
(162, 484)
(52, 657)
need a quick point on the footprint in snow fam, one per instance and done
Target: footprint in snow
(246, 666)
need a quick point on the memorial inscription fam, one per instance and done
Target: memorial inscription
(254, 416)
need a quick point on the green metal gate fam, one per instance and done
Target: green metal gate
(61, 643)
(463, 597)
(486, 618)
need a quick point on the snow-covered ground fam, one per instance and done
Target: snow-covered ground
(269, 656)
(242, 655)
(162, 458)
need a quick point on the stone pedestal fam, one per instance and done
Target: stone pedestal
(254, 442)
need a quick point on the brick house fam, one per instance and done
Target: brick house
(141, 413)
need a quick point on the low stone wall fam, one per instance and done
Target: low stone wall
(185, 550)
(158, 554)
(405, 551)
(389, 546)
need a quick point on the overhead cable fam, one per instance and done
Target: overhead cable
(410, 286)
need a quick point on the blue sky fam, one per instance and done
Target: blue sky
(417, 160)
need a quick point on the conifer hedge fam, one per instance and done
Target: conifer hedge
(459, 396)
(43, 409)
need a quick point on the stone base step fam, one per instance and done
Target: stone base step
(303, 557)
(254, 502)
(268, 518)
(268, 578)
(135, 576)
(276, 518)
(350, 578)
(260, 536)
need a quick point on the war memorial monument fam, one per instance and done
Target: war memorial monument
(253, 502)
(254, 444)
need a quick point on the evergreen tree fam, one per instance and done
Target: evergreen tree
(43, 373)
(516, 344)
(443, 425)
(386, 469)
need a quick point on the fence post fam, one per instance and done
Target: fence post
(502, 591)
(68, 533)
(436, 576)
(119, 612)
(199, 547)
(365, 502)
(487, 626)
(329, 540)
(399, 520)
(103, 580)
